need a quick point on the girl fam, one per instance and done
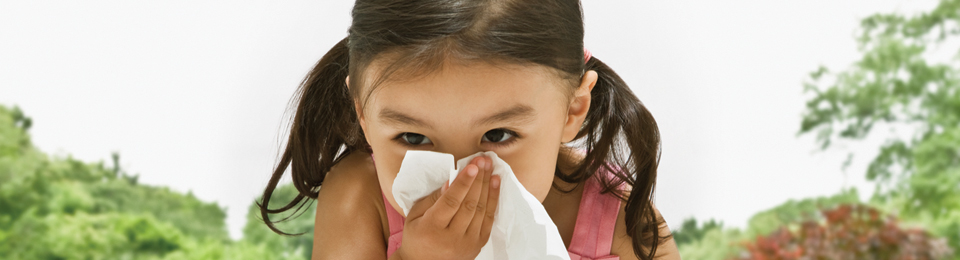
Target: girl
(459, 77)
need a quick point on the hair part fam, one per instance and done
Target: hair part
(414, 38)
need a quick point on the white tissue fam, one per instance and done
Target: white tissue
(521, 229)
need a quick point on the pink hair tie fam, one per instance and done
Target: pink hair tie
(586, 55)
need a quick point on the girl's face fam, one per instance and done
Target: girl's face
(523, 113)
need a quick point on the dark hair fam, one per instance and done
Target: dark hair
(416, 36)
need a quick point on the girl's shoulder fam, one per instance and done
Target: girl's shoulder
(353, 179)
(349, 209)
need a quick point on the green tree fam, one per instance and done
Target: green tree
(690, 231)
(62, 208)
(903, 81)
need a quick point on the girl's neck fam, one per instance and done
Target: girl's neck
(563, 207)
(566, 195)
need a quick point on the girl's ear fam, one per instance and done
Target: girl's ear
(579, 107)
(356, 107)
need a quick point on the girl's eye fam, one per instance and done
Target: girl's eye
(414, 139)
(499, 136)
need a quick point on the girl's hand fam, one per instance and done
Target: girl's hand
(454, 222)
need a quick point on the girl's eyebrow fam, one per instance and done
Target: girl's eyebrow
(519, 113)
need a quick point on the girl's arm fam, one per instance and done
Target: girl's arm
(623, 245)
(348, 223)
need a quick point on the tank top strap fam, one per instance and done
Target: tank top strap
(395, 218)
(395, 221)
(596, 221)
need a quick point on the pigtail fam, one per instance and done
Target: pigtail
(324, 129)
(623, 138)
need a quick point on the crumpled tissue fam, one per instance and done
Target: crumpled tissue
(521, 229)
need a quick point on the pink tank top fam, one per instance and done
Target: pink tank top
(592, 233)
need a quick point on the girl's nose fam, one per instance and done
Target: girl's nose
(460, 148)
(457, 157)
(460, 153)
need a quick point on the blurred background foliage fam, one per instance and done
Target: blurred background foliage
(62, 208)
(903, 84)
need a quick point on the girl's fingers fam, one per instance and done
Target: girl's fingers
(447, 204)
(472, 202)
(493, 199)
(421, 206)
(477, 219)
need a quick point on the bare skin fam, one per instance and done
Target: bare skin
(450, 104)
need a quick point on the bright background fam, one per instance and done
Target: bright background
(193, 94)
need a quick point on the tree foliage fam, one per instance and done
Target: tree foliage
(300, 222)
(903, 81)
(796, 211)
(848, 231)
(724, 243)
(62, 208)
(715, 244)
(690, 231)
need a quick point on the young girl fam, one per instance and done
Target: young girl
(459, 77)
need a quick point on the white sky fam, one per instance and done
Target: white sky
(192, 93)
